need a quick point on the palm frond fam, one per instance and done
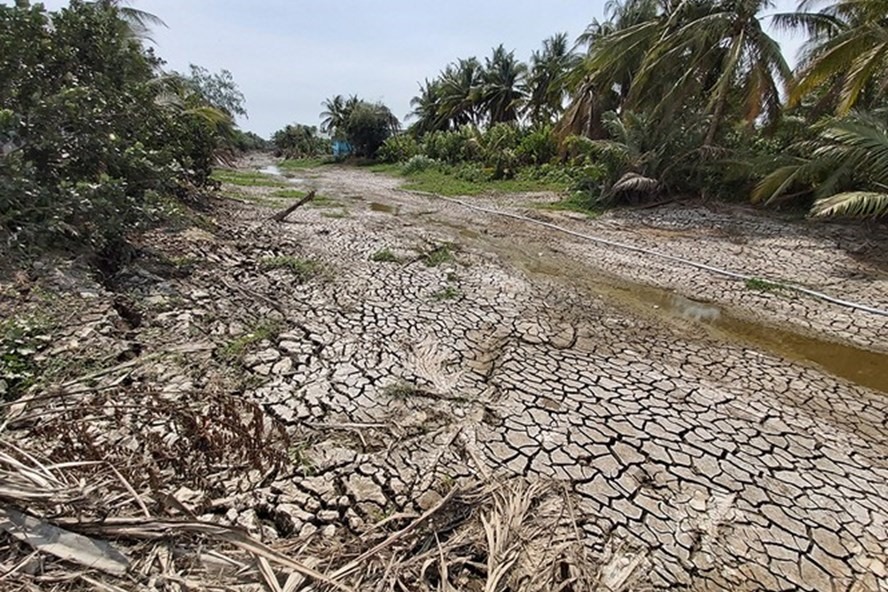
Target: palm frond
(636, 183)
(814, 24)
(139, 22)
(169, 98)
(211, 115)
(852, 203)
(864, 142)
(777, 183)
(863, 68)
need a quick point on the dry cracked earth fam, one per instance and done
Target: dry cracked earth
(406, 344)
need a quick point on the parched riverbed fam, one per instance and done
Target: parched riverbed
(710, 436)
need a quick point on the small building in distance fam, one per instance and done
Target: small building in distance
(341, 148)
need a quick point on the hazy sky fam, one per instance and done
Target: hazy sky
(287, 56)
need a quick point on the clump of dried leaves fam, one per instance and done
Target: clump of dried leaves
(95, 511)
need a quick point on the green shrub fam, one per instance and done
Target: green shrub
(420, 163)
(385, 256)
(448, 293)
(297, 142)
(473, 173)
(499, 150)
(89, 135)
(537, 147)
(450, 147)
(400, 148)
(20, 339)
(439, 255)
(368, 126)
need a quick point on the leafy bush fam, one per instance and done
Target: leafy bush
(473, 172)
(368, 126)
(250, 142)
(418, 164)
(452, 147)
(400, 148)
(300, 141)
(537, 147)
(89, 134)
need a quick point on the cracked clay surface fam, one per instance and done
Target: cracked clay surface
(715, 464)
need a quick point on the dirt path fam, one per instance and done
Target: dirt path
(416, 344)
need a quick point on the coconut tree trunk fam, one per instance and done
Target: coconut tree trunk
(717, 117)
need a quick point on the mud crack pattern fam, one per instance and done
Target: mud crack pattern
(715, 465)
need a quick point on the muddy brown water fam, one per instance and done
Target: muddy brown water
(385, 208)
(860, 366)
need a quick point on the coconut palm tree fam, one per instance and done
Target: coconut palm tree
(503, 93)
(846, 54)
(845, 169)
(139, 22)
(617, 47)
(720, 49)
(459, 88)
(427, 109)
(583, 115)
(615, 51)
(547, 79)
(336, 113)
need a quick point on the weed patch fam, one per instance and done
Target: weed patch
(299, 457)
(301, 164)
(439, 255)
(289, 194)
(447, 181)
(246, 178)
(448, 293)
(319, 201)
(761, 285)
(385, 256)
(20, 340)
(235, 350)
(303, 269)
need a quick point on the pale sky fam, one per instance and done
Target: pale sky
(287, 56)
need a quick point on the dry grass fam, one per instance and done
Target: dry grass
(67, 532)
(91, 482)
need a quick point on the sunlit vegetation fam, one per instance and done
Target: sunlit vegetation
(247, 178)
(669, 98)
(96, 139)
(301, 164)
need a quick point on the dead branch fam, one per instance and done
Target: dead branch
(394, 538)
(282, 215)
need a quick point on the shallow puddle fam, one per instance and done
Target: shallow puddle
(860, 366)
(271, 169)
(385, 208)
(864, 367)
(275, 170)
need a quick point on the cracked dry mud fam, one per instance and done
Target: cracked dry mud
(707, 463)
(723, 466)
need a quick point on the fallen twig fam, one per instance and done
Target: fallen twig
(395, 537)
(282, 215)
